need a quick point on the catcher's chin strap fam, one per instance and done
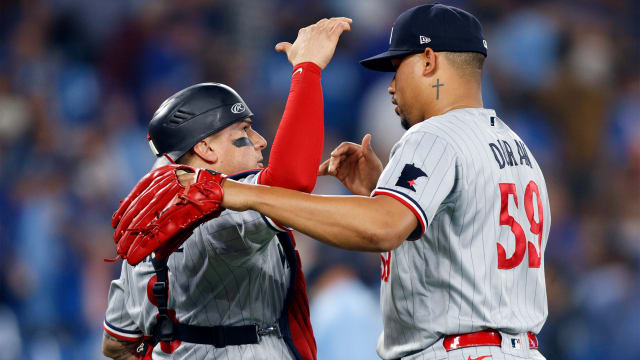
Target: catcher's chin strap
(219, 336)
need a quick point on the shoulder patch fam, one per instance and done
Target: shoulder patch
(410, 173)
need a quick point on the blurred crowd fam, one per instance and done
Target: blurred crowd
(80, 79)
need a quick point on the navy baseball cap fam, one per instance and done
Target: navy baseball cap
(439, 27)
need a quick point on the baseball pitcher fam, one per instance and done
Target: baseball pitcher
(460, 214)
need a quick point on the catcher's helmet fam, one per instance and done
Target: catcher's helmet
(191, 115)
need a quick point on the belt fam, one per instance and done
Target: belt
(481, 338)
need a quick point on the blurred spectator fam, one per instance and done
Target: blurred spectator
(345, 314)
(10, 340)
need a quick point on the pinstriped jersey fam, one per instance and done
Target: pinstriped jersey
(231, 271)
(475, 261)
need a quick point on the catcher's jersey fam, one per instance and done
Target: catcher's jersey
(231, 271)
(476, 259)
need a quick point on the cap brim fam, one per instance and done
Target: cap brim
(382, 62)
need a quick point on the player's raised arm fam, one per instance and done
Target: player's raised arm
(297, 147)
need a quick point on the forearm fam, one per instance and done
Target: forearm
(118, 349)
(348, 222)
(297, 147)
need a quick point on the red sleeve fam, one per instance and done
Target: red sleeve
(297, 149)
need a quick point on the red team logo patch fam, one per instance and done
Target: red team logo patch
(385, 266)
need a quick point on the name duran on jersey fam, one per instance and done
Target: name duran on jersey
(503, 153)
(476, 259)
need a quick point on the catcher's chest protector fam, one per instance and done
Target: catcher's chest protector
(294, 325)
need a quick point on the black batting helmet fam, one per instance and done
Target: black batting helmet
(191, 115)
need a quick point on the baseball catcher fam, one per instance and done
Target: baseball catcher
(200, 281)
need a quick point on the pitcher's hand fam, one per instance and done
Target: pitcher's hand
(356, 166)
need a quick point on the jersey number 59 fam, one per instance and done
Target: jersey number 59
(507, 189)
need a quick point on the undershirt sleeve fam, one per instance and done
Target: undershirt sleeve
(297, 148)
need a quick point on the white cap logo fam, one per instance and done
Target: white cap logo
(237, 108)
(424, 40)
(484, 42)
(391, 36)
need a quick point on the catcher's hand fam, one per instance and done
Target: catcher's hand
(316, 43)
(160, 214)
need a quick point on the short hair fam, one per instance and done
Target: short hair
(184, 159)
(467, 63)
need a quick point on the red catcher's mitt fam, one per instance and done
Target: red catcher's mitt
(160, 214)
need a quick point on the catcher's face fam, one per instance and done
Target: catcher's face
(237, 147)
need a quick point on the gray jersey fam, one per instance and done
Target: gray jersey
(231, 271)
(476, 259)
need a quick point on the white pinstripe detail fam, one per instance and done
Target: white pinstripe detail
(448, 280)
(218, 266)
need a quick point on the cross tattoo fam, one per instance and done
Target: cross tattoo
(437, 86)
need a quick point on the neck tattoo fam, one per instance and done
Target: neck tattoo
(243, 141)
(437, 86)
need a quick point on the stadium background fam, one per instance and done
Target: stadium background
(79, 81)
